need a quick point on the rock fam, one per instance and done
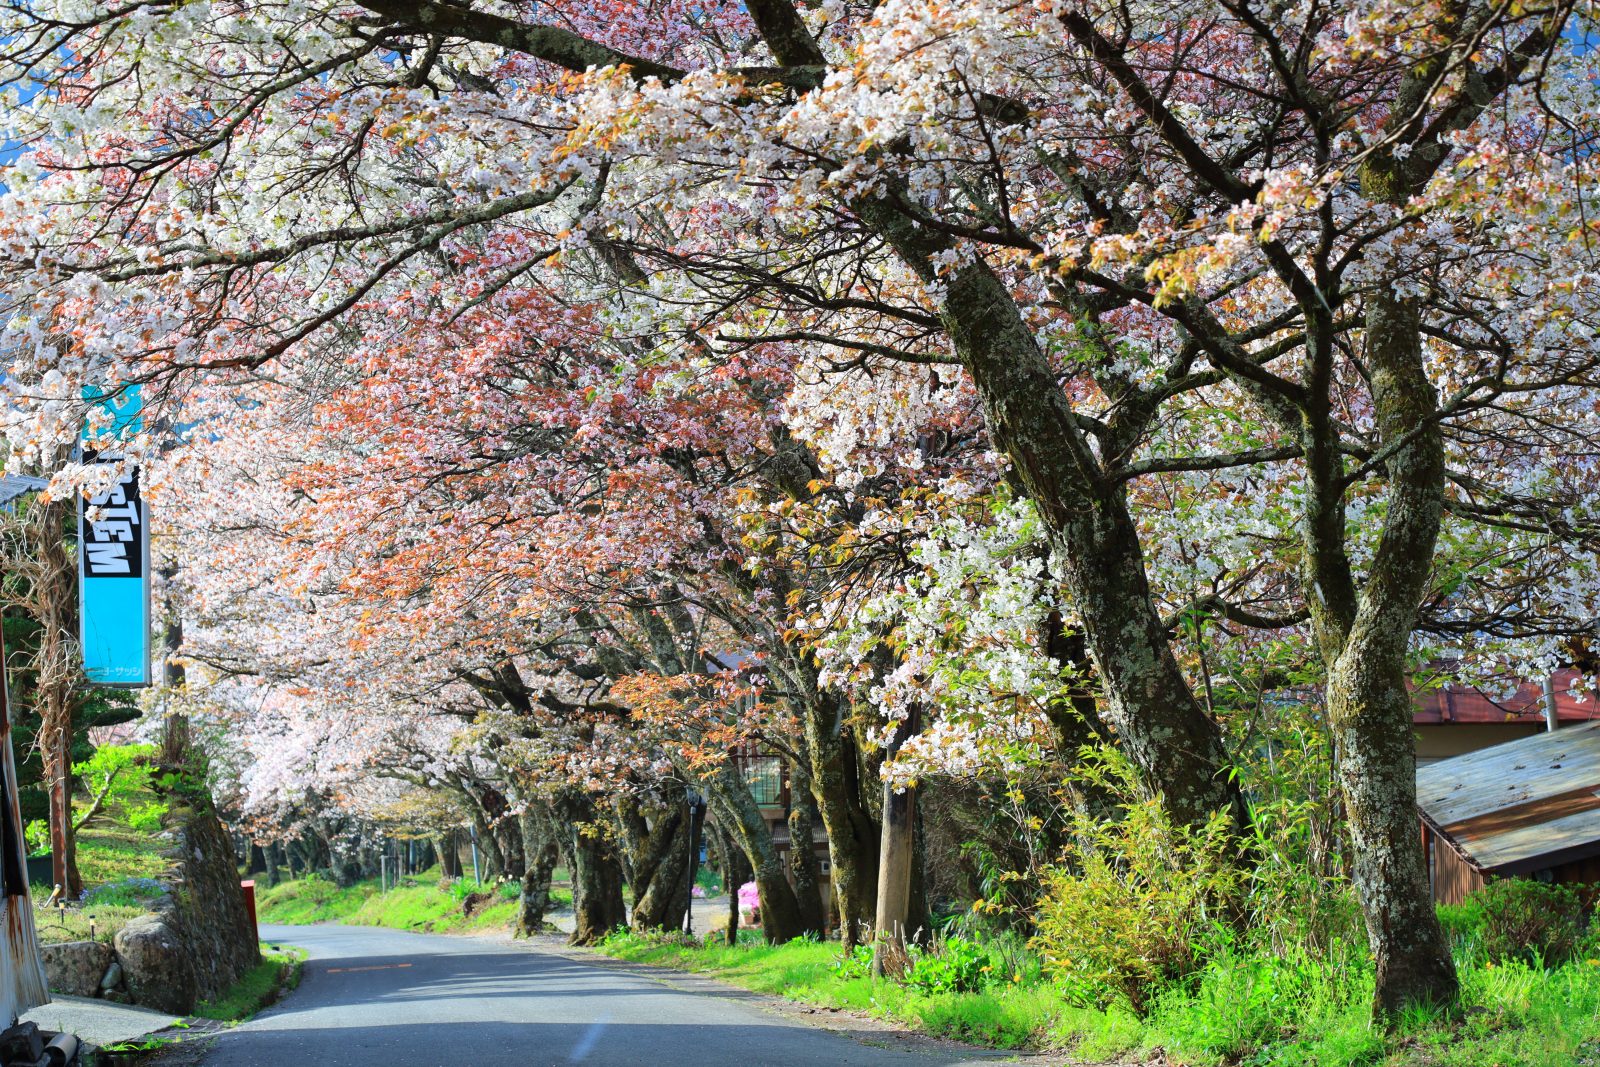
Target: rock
(112, 978)
(156, 965)
(75, 967)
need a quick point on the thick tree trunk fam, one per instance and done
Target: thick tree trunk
(508, 834)
(780, 912)
(597, 904)
(1371, 713)
(1369, 705)
(852, 829)
(660, 887)
(539, 846)
(805, 873)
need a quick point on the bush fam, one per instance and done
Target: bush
(951, 965)
(146, 818)
(1142, 902)
(857, 963)
(1530, 921)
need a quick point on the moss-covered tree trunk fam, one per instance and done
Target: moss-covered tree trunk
(1364, 637)
(660, 885)
(540, 848)
(596, 871)
(780, 911)
(852, 829)
(1177, 747)
(805, 873)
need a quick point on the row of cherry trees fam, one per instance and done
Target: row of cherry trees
(553, 400)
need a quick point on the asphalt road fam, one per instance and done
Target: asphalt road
(380, 998)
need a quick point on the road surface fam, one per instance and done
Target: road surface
(380, 998)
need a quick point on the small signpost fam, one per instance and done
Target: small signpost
(114, 563)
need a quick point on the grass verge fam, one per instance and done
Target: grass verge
(424, 903)
(1258, 1012)
(279, 970)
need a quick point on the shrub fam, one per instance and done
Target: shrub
(1527, 920)
(146, 818)
(1142, 901)
(950, 965)
(857, 963)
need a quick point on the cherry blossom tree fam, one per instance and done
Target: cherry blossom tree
(1343, 252)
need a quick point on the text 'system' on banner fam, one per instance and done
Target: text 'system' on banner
(114, 564)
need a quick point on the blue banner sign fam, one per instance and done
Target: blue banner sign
(114, 565)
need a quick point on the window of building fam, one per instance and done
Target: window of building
(764, 776)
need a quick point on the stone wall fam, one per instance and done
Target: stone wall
(197, 940)
(209, 910)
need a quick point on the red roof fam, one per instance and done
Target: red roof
(1526, 704)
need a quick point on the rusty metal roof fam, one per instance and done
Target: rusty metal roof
(1522, 806)
(1523, 702)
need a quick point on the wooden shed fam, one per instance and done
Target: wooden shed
(1526, 808)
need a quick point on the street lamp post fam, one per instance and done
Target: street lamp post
(697, 808)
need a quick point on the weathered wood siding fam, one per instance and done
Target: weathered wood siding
(22, 981)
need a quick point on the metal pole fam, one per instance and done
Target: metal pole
(474, 833)
(383, 872)
(1551, 718)
(694, 803)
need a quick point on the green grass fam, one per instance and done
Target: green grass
(1255, 1012)
(421, 903)
(109, 852)
(279, 969)
(56, 925)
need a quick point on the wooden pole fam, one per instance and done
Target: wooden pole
(895, 857)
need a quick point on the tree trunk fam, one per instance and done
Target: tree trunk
(896, 862)
(852, 830)
(491, 862)
(780, 912)
(539, 846)
(56, 733)
(804, 872)
(1369, 705)
(508, 835)
(56, 674)
(734, 868)
(660, 891)
(1162, 727)
(597, 905)
(448, 848)
(269, 877)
